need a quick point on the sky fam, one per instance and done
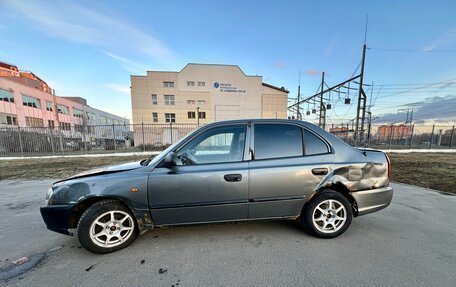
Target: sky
(90, 48)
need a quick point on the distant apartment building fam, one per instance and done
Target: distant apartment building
(395, 131)
(204, 93)
(27, 101)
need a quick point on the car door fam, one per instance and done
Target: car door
(284, 171)
(208, 183)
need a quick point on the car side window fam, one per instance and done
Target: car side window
(217, 145)
(313, 144)
(277, 141)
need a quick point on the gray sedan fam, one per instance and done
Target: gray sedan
(225, 171)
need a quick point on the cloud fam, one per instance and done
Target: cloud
(129, 65)
(440, 41)
(279, 65)
(118, 88)
(312, 72)
(438, 108)
(69, 21)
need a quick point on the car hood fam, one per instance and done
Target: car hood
(106, 170)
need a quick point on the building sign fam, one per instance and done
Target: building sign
(227, 88)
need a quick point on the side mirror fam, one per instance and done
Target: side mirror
(169, 160)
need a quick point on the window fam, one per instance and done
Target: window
(103, 120)
(190, 83)
(201, 84)
(201, 102)
(170, 118)
(169, 100)
(191, 115)
(313, 144)
(51, 124)
(191, 102)
(49, 106)
(154, 99)
(63, 110)
(217, 145)
(33, 122)
(90, 116)
(168, 84)
(202, 115)
(78, 113)
(6, 96)
(65, 126)
(31, 102)
(155, 117)
(277, 141)
(8, 119)
(79, 128)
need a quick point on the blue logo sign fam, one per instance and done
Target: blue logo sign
(216, 85)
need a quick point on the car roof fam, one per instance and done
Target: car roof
(278, 121)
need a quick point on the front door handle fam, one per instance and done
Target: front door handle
(320, 171)
(233, 177)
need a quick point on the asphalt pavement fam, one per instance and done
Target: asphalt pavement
(411, 243)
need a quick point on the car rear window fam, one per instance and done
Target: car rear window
(277, 141)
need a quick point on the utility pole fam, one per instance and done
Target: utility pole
(361, 110)
(322, 118)
(298, 113)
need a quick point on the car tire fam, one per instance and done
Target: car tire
(328, 215)
(107, 226)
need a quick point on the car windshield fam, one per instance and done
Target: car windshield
(154, 159)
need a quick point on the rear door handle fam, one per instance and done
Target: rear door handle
(320, 171)
(233, 177)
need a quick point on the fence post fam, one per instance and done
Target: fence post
(114, 137)
(20, 141)
(171, 130)
(411, 137)
(52, 140)
(84, 138)
(346, 135)
(451, 137)
(61, 140)
(390, 136)
(143, 142)
(432, 137)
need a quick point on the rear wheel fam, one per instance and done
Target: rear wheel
(328, 215)
(107, 226)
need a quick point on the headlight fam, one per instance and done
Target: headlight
(49, 195)
(66, 193)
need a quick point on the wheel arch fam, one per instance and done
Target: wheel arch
(340, 188)
(87, 202)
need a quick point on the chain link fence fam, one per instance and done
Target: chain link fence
(45, 141)
(400, 136)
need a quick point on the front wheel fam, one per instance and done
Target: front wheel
(107, 226)
(328, 215)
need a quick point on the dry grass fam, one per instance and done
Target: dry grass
(432, 170)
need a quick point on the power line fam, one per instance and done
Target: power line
(411, 50)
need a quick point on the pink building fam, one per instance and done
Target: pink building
(27, 101)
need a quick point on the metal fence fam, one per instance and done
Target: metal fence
(400, 136)
(42, 141)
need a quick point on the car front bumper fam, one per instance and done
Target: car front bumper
(57, 217)
(372, 200)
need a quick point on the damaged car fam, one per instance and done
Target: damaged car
(225, 171)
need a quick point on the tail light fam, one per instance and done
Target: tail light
(389, 165)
